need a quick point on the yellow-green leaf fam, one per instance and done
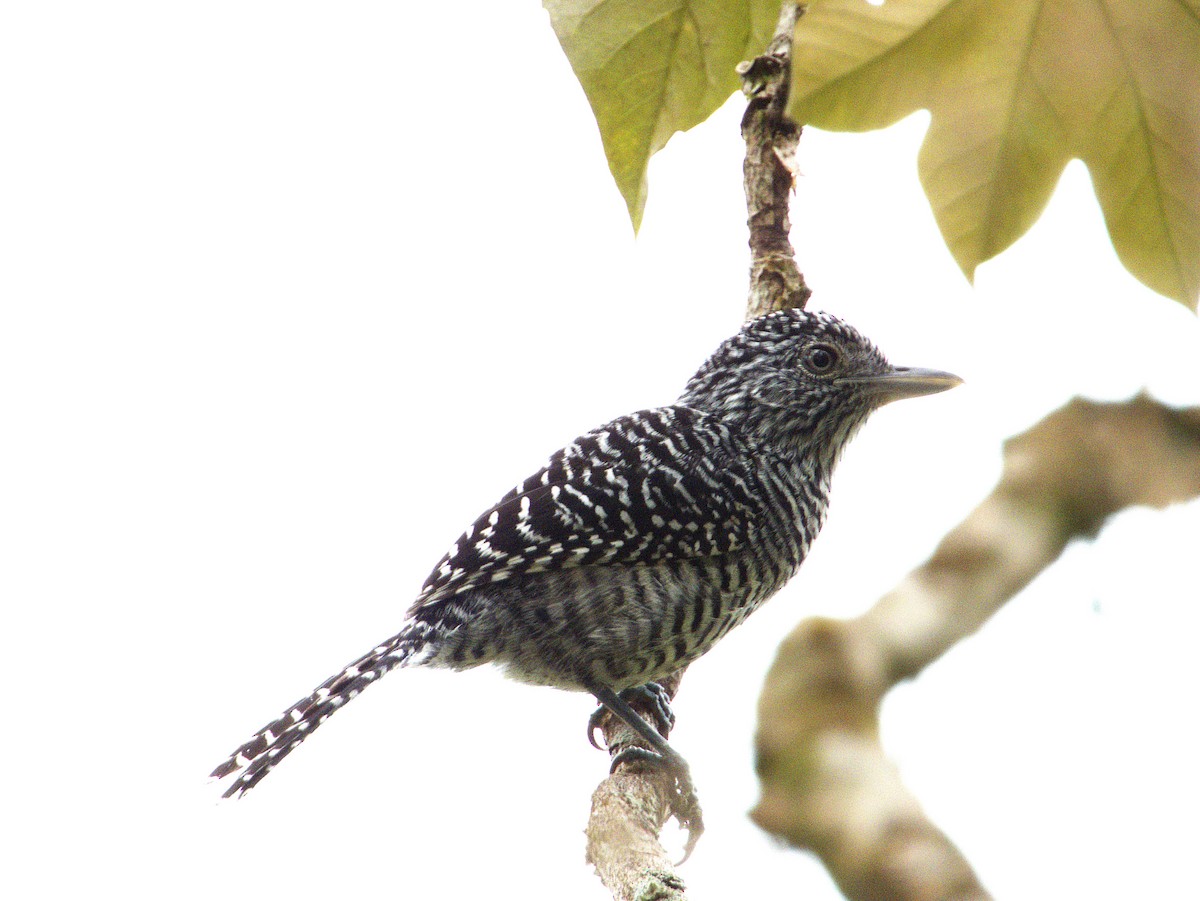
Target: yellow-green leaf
(651, 68)
(1016, 89)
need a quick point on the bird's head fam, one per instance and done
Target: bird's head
(802, 383)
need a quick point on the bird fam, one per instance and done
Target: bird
(642, 543)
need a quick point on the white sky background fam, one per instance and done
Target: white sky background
(290, 291)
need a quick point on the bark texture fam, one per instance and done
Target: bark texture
(827, 784)
(769, 174)
(628, 811)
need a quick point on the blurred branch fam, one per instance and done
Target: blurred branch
(826, 783)
(630, 807)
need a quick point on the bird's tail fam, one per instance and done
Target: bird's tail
(275, 741)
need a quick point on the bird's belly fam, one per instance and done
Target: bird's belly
(612, 626)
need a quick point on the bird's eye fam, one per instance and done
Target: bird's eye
(821, 358)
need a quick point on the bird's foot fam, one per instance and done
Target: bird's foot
(681, 799)
(660, 709)
(683, 802)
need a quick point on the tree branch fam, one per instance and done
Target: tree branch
(630, 807)
(826, 782)
(623, 840)
(769, 173)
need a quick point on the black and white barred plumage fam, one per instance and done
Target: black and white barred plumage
(643, 542)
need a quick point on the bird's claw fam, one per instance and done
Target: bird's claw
(683, 802)
(660, 710)
(660, 705)
(595, 725)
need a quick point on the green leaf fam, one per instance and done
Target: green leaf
(1016, 89)
(651, 68)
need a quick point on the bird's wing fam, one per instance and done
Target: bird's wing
(654, 485)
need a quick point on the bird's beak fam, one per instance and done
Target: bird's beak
(902, 381)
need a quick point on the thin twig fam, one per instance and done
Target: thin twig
(769, 173)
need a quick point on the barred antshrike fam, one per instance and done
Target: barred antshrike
(638, 546)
